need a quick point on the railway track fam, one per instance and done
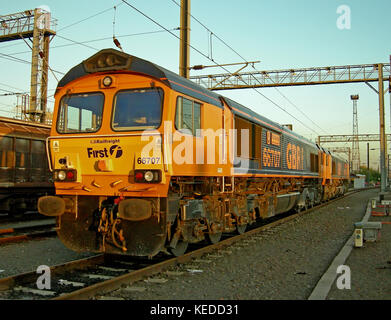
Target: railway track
(26, 216)
(84, 279)
(23, 233)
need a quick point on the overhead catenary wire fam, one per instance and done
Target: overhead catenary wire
(161, 26)
(89, 17)
(209, 56)
(79, 21)
(10, 93)
(298, 109)
(211, 33)
(217, 64)
(15, 59)
(9, 57)
(84, 43)
(7, 85)
(79, 43)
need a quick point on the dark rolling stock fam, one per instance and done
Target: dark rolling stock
(24, 171)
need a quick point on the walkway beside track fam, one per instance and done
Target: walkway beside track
(369, 266)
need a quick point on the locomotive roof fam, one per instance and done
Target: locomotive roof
(135, 64)
(123, 61)
(173, 80)
(244, 112)
(252, 116)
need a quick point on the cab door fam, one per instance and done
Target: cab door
(329, 166)
(323, 167)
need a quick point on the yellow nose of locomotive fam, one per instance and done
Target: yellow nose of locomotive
(107, 167)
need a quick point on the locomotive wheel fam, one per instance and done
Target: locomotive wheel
(214, 237)
(241, 228)
(180, 248)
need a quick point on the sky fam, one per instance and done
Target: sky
(282, 34)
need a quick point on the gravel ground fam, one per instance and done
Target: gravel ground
(285, 262)
(27, 256)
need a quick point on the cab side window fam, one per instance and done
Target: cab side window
(188, 116)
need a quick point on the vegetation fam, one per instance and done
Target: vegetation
(371, 175)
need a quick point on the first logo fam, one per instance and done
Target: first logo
(116, 150)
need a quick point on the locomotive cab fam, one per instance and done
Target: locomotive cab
(105, 152)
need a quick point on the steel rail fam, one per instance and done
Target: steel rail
(28, 277)
(27, 232)
(133, 276)
(115, 283)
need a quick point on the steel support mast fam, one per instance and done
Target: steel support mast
(37, 25)
(184, 51)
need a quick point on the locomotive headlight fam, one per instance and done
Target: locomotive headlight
(101, 62)
(107, 81)
(107, 59)
(110, 60)
(65, 175)
(148, 176)
(61, 175)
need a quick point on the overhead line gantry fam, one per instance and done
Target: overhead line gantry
(37, 25)
(364, 73)
(293, 77)
(349, 138)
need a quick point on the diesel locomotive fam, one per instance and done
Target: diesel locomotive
(145, 161)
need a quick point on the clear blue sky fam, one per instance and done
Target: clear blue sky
(283, 34)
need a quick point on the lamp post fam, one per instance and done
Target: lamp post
(368, 154)
(355, 144)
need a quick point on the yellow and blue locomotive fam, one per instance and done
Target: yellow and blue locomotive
(144, 161)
